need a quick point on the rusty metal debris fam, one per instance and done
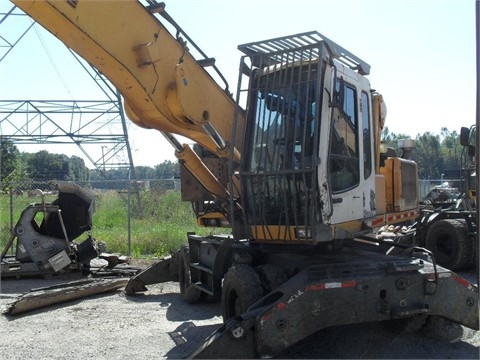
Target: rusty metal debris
(42, 297)
(43, 239)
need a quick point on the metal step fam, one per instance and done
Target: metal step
(201, 268)
(205, 288)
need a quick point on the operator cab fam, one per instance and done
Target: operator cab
(308, 155)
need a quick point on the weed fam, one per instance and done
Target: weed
(159, 222)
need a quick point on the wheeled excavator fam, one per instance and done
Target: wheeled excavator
(294, 166)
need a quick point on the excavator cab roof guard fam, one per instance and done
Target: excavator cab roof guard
(276, 48)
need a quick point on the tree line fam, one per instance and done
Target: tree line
(19, 166)
(435, 154)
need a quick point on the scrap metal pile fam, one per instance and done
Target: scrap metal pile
(44, 240)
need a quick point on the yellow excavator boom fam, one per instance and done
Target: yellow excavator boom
(163, 86)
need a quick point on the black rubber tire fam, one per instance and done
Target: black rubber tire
(189, 293)
(211, 299)
(447, 239)
(433, 323)
(272, 276)
(474, 257)
(407, 325)
(241, 288)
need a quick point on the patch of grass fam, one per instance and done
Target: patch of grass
(159, 223)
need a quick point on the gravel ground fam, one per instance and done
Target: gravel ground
(158, 324)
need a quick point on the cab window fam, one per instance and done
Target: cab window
(367, 136)
(344, 158)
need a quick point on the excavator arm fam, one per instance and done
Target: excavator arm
(163, 86)
(272, 296)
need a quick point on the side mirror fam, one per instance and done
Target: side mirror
(464, 136)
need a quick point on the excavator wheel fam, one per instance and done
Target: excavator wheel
(407, 325)
(272, 276)
(190, 294)
(474, 257)
(241, 288)
(433, 323)
(211, 299)
(447, 239)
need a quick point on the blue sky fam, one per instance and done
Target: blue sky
(421, 52)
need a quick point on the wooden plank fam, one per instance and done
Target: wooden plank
(42, 297)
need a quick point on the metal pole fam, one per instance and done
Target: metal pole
(103, 159)
(477, 116)
(11, 210)
(129, 211)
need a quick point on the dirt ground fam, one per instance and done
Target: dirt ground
(158, 324)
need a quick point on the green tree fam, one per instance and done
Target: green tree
(167, 170)
(8, 158)
(389, 138)
(392, 139)
(144, 172)
(46, 166)
(78, 170)
(428, 156)
(451, 149)
(95, 175)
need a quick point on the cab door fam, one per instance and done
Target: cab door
(350, 175)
